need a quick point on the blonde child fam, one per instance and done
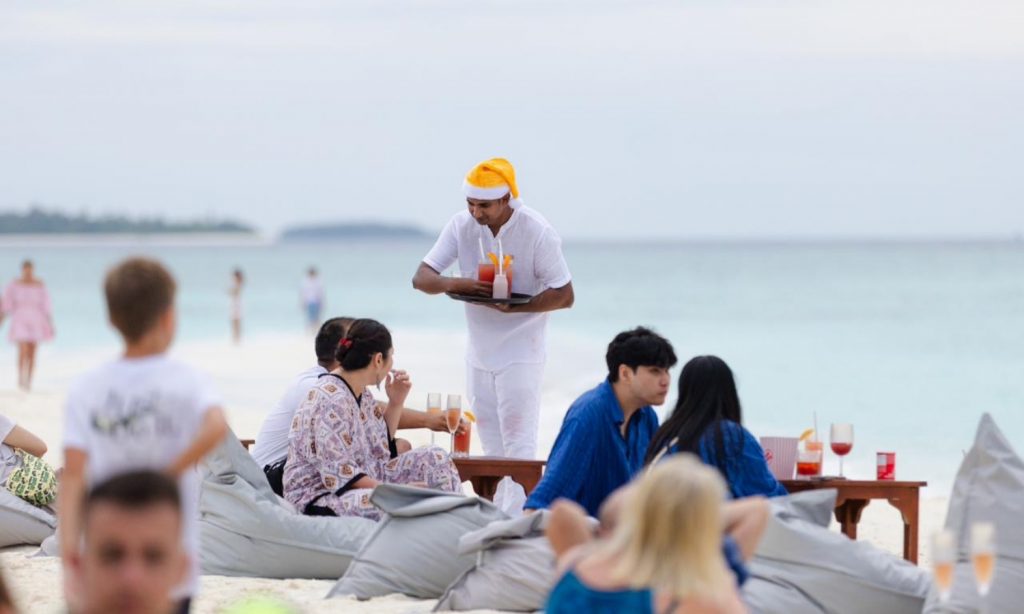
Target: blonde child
(662, 555)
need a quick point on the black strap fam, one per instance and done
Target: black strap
(311, 508)
(358, 398)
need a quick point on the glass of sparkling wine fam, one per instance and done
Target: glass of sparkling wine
(943, 562)
(433, 409)
(841, 438)
(453, 416)
(983, 555)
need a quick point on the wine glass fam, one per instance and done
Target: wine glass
(983, 555)
(433, 409)
(841, 437)
(453, 416)
(943, 561)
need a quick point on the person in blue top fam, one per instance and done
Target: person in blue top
(708, 421)
(606, 432)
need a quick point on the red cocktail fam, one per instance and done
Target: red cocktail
(486, 272)
(462, 441)
(841, 449)
(808, 461)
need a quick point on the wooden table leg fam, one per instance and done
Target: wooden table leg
(908, 505)
(848, 515)
(485, 486)
(527, 479)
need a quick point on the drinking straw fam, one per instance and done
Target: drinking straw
(501, 257)
(816, 426)
(483, 256)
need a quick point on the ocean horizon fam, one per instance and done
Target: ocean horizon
(909, 340)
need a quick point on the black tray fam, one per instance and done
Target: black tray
(515, 299)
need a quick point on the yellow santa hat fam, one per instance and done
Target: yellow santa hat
(490, 180)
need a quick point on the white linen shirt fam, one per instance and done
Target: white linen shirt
(272, 442)
(497, 339)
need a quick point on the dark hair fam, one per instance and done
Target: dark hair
(638, 347)
(138, 291)
(364, 339)
(238, 273)
(26, 263)
(311, 271)
(135, 490)
(707, 397)
(327, 338)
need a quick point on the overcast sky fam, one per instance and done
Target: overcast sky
(624, 119)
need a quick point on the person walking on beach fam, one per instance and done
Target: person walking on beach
(144, 410)
(506, 351)
(27, 303)
(235, 292)
(312, 294)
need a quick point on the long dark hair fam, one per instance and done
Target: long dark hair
(365, 338)
(707, 396)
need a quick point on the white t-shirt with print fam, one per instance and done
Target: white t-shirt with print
(498, 339)
(142, 413)
(272, 442)
(8, 460)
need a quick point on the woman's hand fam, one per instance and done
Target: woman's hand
(397, 385)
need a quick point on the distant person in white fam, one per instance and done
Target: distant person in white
(312, 295)
(235, 292)
(507, 350)
(272, 442)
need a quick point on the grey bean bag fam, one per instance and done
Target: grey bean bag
(989, 487)
(834, 573)
(22, 523)
(414, 550)
(247, 530)
(514, 571)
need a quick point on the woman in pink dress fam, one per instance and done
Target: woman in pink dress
(27, 303)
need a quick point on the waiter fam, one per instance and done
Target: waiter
(507, 351)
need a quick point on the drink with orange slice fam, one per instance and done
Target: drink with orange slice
(486, 270)
(809, 454)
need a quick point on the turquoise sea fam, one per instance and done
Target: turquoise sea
(910, 342)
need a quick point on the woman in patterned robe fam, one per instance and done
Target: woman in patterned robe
(341, 443)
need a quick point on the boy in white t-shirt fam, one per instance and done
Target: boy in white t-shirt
(142, 411)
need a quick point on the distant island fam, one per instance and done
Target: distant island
(38, 221)
(363, 230)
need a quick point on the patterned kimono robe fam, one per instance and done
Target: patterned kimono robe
(336, 439)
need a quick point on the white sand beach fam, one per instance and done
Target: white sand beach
(251, 377)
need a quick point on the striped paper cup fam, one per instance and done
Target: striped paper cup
(780, 452)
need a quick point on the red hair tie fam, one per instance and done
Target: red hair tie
(345, 343)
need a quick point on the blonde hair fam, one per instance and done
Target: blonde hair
(669, 536)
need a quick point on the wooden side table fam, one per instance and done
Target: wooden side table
(484, 472)
(853, 496)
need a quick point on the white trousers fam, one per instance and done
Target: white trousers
(507, 407)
